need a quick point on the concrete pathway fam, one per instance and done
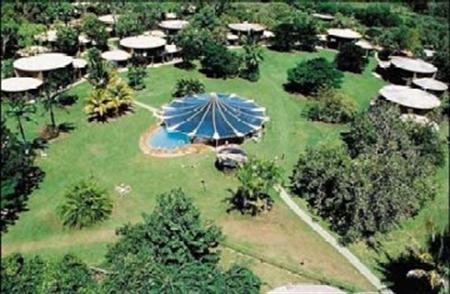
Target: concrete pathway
(153, 110)
(303, 215)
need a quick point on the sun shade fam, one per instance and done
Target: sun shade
(214, 116)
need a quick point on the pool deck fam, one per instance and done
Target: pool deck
(167, 153)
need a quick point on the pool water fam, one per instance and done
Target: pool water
(163, 139)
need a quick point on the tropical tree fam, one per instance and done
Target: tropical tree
(219, 62)
(310, 76)
(20, 108)
(257, 178)
(251, 58)
(9, 29)
(86, 203)
(98, 70)
(192, 40)
(95, 30)
(22, 275)
(55, 84)
(67, 40)
(351, 58)
(187, 87)
(206, 18)
(128, 25)
(333, 107)
(136, 73)
(18, 177)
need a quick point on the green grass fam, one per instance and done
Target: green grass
(110, 151)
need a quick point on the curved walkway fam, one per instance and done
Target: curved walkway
(303, 215)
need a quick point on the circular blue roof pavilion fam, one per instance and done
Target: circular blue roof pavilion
(214, 116)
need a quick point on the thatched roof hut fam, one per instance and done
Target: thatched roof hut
(142, 42)
(21, 84)
(413, 65)
(116, 55)
(306, 289)
(430, 84)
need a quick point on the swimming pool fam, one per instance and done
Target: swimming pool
(163, 139)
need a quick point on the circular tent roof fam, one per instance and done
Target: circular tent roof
(43, 62)
(109, 18)
(409, 97)
(364, 44)
(323, 16)
(173, 24)
(116, 55)
(142, 42)
(213, 116)
(246, 27)
(79, 63)
(430, 84)
(344, 34)
(306, 289)
(413, 65)
(14, 85)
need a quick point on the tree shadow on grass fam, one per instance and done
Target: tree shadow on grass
(10, 214)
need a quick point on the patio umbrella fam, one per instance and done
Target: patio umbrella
(214, 116)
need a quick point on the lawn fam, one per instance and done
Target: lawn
(278, 246)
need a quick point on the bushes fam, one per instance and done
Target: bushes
(192, 40)
(136, 73)
(371, 186)
(308, 77)
(98, 70)
(378, 15)
(67, 40)
(332, 107)
(187, 87)
(257, 178)
(113, 100)
(95, 30)
(251, 57)
(128, 25)
(86, 203)
(298, 30)
(351, 58)
(219, 62)
(441, 60)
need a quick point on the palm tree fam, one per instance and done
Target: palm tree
(86, 203)
(251, 58)
(20, 109)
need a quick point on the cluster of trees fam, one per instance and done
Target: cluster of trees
(137, 72)
(351, 58)
(296, 30)
(187, 87)
(110, 95)
(370, 185)
(332, 106)
(172, 251)
(310, 76)
(19, 175)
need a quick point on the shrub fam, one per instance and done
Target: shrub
(257, 178)
(128, 25)
(206, 18)
(218, 61)
(86, 203)
(113, 100)
(187, 87)
(351, 58)
(251, 57)
(95, 30)
(136, 74)
(297, 30)
(441, 60)
(332, 107)
(378, 15)
(192, 40)
(67, 40)
(308, 77)
(7, 68)
(98, 70)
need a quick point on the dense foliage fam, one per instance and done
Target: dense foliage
(298, 30)
(251, 58)
(332, 107)
(256, 178)
(18, 177)
(192, 40)
(342, 185)
(95, 30)
(309, 76)
(67, 40)
(128, 25)
(351, 58)
(136, 73)
(187, 87)
(86, 203)
(219, 62)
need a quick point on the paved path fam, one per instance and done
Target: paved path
(333, 242)
(153, 110)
